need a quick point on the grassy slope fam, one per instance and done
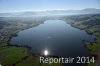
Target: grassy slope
(30, 61)
(92, 26)
(10, 55)
(13, 55)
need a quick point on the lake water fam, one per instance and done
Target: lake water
(58, 37)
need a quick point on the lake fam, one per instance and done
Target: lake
(58, 37)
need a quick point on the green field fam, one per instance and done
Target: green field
(21, 56)
(91, 24)
(16, 55)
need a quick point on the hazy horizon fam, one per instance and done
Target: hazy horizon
(45, 5)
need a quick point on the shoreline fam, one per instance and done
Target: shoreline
(16, 34)
(91, 43)
(29, 48)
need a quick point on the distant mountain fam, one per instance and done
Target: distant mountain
(90, 11)
(17, 14)
(51, 12)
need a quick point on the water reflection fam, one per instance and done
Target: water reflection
(55, 35)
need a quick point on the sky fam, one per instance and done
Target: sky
(38, 5)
